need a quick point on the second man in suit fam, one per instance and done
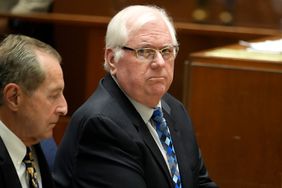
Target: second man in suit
(31, 102)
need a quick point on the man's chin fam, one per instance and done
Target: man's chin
(158, 91)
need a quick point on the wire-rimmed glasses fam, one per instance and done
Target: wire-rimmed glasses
(149, 54)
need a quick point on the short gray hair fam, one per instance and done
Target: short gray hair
(118, 29)
(19, 63)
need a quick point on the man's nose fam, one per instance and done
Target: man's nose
(63, 107)
(158, 58)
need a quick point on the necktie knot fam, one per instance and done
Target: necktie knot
(157, 114)
(28, 157)
(160, 121)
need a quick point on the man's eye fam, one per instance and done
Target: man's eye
(167, 51)
(145, 52)
(55, 96)
(142, 52)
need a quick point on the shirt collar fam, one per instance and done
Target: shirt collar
(144, 111)
(14, 145)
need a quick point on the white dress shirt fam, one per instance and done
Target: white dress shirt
(146, 114)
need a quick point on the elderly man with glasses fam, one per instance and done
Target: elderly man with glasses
(131, 133)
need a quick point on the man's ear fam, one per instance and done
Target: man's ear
(11, 95)
(110, 60)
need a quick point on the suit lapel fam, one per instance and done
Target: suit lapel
(8, 175)
(151, 144)
(138, 122)
(173, 128)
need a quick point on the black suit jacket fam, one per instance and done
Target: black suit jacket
(8, 173)
(107, 144)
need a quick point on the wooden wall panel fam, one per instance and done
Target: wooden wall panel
(236, 108)
(82, 52)
(258, 13)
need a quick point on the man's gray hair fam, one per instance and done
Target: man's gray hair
(131, 19)
(19, 63)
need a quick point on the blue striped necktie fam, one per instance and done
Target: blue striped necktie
(165, 138)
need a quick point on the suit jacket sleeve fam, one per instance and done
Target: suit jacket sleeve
(107, 157)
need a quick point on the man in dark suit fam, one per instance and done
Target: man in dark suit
(115, 139)
(31, 102)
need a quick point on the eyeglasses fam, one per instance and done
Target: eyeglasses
(149, 54)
